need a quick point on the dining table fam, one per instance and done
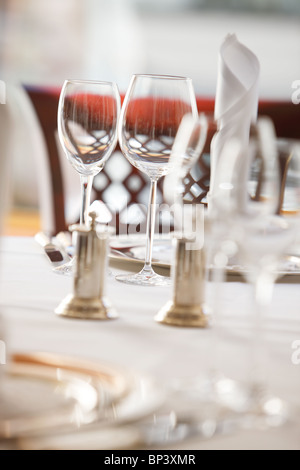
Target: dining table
(167, 356)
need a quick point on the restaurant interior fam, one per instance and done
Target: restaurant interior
(150, 221)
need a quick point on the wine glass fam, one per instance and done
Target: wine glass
(153, 108)
(250, 200)
(88, 113)
(245, 221)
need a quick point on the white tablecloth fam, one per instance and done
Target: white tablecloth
(30, 291)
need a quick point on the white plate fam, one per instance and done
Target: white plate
(46, 394)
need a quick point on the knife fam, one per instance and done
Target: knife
(55, 254)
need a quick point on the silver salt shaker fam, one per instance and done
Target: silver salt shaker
(186, 309)
(88, 300)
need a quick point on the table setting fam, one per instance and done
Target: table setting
(182, 340)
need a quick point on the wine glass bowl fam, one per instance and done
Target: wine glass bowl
(187, 181)
(289, 158)
(152, 111)
(262, 236)
(87, 127)
(266, 231)
(148, 133)
(88, 138)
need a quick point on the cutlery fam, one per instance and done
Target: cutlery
(64, 239)
(55, 254)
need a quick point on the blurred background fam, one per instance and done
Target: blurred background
(42, 43)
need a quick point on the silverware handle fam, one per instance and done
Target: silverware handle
(42, 239)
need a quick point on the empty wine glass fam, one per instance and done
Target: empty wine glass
(153, 108)
(262, 236)
(88, 115)
(245, 221)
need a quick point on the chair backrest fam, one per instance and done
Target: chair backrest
(45, 103)
(119, 184)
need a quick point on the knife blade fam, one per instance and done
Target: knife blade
(55, 254)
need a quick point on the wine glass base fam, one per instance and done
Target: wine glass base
(66, 269)
(144, 278)
(256, 407)
(230, 404)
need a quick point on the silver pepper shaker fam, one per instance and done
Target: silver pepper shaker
(88, 300)
(186, 309)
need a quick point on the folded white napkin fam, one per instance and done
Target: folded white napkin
(236, 107)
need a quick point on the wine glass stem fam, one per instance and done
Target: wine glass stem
(86, 188)
(218, 282)
(150, 225)
(262, 294)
